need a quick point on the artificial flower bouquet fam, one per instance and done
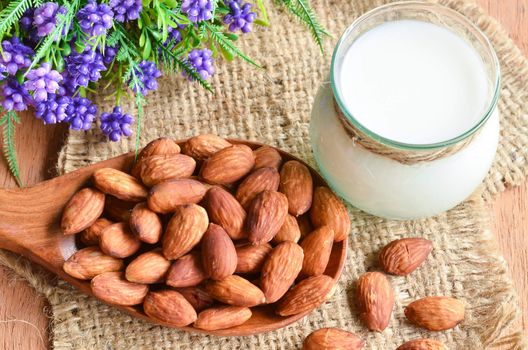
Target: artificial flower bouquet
(54, 53)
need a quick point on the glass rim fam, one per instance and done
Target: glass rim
(413, 146)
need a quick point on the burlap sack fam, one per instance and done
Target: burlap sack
(273, 106)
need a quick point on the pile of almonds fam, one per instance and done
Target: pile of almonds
(200, 235)
(375, 301)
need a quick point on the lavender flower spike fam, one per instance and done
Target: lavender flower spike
(147, 74)
(95, 19)
(16, 55)
(116, 124)
(126, 10)
(16, 96)
(80, 113)
(42, 81)
(240, 16)
(202, 62)
(198, 10)
(45, 17)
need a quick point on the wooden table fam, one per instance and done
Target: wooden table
(23, 314)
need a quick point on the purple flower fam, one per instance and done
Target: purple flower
(81, 68)
(52, 110)
(197, 10)
(43, 80)
(202, 62)
(116, 124)
(45, 17)
(16, 97)
(240, 16)
(147, 74)
(95, 19)
(80, 113)
(3, 71)
(26, 21)
(15, 55)
(109, 54)
(126, 10)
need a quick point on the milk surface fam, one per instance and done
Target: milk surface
(413, 82)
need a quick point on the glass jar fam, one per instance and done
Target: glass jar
(399, 179)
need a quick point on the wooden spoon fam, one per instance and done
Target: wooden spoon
(29, 225)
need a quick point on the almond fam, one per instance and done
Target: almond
(184, 230)
(297, 184)
(169, 306)
(120, 185)
(82, 210)
(266, 216)
(159, 168)
(235, 290)
(147, 268)
(435, 313)
(289, 231)
(267, 157)
(305, 225)
(219, 257)
(332, 339)
(186, 271)
(403, 256)
(145, 224)
(305, 296)
(118, 210)
(89, 262)
(224, 210)
(113, 288)
(260, 180)
(90, 236)
(228, 165)
(118, 241)
(250, 258)
(317, 247)
(202, 147)
(327, 209)
(222, 317)
(157, 147)
(165, 197)
(375, 299)
(422, 344)
(197, 297)
(280, 270)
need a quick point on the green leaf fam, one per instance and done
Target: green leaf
(142, 39)
(7, 122)
(170, 3)
(147, 49)
(264, 21)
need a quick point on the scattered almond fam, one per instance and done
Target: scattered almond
(118, 241)
(202, 147)
(266, 216)
(435, 313)
(422, 344)
(90, 262)
(317, 247)
(222, 317)
(258, 181)
(82, 210)
(228, 165)
(113, 288)
(235, 290)
(267, 157)
(327, 209)
(289, 231)
(250, 258)
(403, 256)
(165, 197)
(90, 236)
(197, 297)
(226, 211)
(332, 339)
(157, 147)
(145, 224)
(186, 271)
(159, 168)
(305, 296)
(169, 306)
(297, 184)
(120, 185)
(118, 210)
(147, 268)
(219, 257)
(375, 299)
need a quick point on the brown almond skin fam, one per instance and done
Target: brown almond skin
(327, 209)
(235, 290)
(165, 197)
(90, 236)
(226, 211)
(403, 256)
(202, 147)
(422, 344)
(82, 210)
(159, 168)
(159, 146)
(375, 298)
(305, 296)
(118, 210)
(197, 297)
(228, 165)
(435, 313)
(184, 230)
(89, 262)
(297, 184)
(259, 180)
(186, 271)
(118, 241)
(219, 257)
(267, 157)
(266, 215)
(332, 339)
(317, 247)
(289, 231)
(222, 317)
(280, 270)
(305, 225)
(169, 306)
(150, 267)
(251, 258)
(120, 185)
(113, 288)
(145, 224)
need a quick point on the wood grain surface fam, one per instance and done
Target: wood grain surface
(24, 315)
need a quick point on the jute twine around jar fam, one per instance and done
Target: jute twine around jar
(404, 156)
